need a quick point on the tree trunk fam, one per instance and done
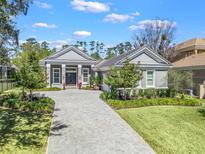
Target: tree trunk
(125, 94)
(23, 92)
(31, 97)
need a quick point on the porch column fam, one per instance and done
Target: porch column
(80, 73)
(63, 73)
(48, 72)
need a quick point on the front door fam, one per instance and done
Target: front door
(71, 78)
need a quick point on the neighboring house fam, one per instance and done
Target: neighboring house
(70, 65)
(190, 56)
(188, 48)
(6, 72)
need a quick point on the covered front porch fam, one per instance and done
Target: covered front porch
(68, 75)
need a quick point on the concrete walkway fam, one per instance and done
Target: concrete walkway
(84, 124)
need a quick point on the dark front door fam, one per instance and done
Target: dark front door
(71, 78)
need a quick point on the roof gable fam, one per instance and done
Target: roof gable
(143, 59)
(145, 56)
(70, 53)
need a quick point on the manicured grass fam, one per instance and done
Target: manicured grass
(169, 129)
(23, 133)
(15, 90)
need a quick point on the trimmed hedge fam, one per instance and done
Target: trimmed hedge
(119, 104)
(40, 105)
(156, 93)
(49, 89)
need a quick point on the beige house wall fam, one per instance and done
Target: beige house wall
(199, 82)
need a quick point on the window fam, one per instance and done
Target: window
(56, 75)
(150, 78)
(85, 75)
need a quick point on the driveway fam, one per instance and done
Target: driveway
(84, 124)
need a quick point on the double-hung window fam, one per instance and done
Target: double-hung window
(85, 75)
(56, 75)
(150, 78)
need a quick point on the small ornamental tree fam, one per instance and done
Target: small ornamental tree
(125, 77)
(30, 74)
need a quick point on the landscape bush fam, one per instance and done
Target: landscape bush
(87, 88)
(39, 105)
(49, 89)
(120, 104)
(156, 93)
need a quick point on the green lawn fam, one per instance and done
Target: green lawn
(169, 129)
(23, 133)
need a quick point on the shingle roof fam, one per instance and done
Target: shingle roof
(191, 61)
(196, 43)
(118, 59)
(113, 60)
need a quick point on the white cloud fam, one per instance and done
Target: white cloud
(43, 25)
(154, 23)
(81, 34)
(59, 43)
(136, 14)
(42, 5)
(133, 27)
(90, 6)
(116, 18)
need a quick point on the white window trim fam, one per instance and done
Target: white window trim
(59, 76)
(150, 86)
(70, 71)
(83, 75)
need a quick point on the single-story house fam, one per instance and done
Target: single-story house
(70, 65)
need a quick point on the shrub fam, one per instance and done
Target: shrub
(106, 96)
(157, 93)
(87, 88)
(49, 89)
(119, 104)
(40, 105)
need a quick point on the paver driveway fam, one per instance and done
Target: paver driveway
(84, 124)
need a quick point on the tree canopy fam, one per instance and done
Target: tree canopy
(8, 31)
(29, 72)
(124, 77)
(158, 35)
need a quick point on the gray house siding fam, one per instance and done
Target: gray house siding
(161, 78)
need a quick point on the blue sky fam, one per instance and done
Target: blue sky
(109, 21)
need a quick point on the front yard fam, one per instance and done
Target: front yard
(24, 123)
(23, 132)
(169, 129)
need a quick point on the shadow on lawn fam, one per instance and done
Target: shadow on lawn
(202, 111)
(22, 129)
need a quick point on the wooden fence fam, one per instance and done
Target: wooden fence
(6, 84)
